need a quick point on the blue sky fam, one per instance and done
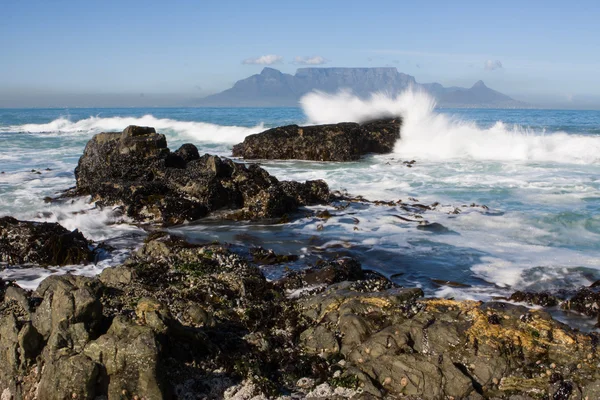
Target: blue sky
(546, 50)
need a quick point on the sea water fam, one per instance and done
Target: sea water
(537, 172)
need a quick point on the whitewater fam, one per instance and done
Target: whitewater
(536, 171)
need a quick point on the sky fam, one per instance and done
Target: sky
(74, 51)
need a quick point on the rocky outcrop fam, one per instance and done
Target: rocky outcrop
(41, 243)
(435, 349)
(179, 320)
(337, 142)
(137, 170)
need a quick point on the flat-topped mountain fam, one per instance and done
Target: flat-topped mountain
(272, 88)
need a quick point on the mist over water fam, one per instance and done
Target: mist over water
(535, 170)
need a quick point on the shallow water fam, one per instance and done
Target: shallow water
(536, 171)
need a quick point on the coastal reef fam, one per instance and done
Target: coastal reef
(346, 141)
(135, 169)
(179, 320)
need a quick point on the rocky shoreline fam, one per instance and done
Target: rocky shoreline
(182, 320)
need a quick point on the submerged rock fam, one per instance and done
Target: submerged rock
(41, 243)
(323, 274)
(268, 257)
(433, 227)
(136, 169)
(336, 142)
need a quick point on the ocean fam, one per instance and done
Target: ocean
(537, 172)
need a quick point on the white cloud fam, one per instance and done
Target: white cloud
(269, 59)
(314, 60)
(491, 65)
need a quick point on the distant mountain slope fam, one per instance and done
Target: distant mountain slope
(478, 94)
(272, 88)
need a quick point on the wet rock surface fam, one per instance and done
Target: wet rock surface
(41, 243)
(585, 301)
(335, 142)
(543, 299)
(136, 169)
(181, 320)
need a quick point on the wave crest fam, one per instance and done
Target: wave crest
(200, 131)
(430, 135)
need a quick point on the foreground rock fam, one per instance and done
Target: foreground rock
(337, 142)
(187, 321)
(136, 169)
(41, 243)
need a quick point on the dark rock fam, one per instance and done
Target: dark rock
(136, 169)
(561, 390)
(42, 243)
(442, 282)
(336, 142)
(324, 273)
(188, 152)
(433, 227)
(539, 299)
(494, 319)
(325, 214)
(585, 301)
(269, 257)
(310, 192)
(133, 131)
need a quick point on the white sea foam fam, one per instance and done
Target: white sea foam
(200, 131)
(429, 135)
(30, 277)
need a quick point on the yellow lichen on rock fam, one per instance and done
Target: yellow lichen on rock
(435, 305)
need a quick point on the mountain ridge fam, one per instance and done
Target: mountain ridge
(272, 88)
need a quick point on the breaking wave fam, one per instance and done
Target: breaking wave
(430, 135)
(200, 131)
